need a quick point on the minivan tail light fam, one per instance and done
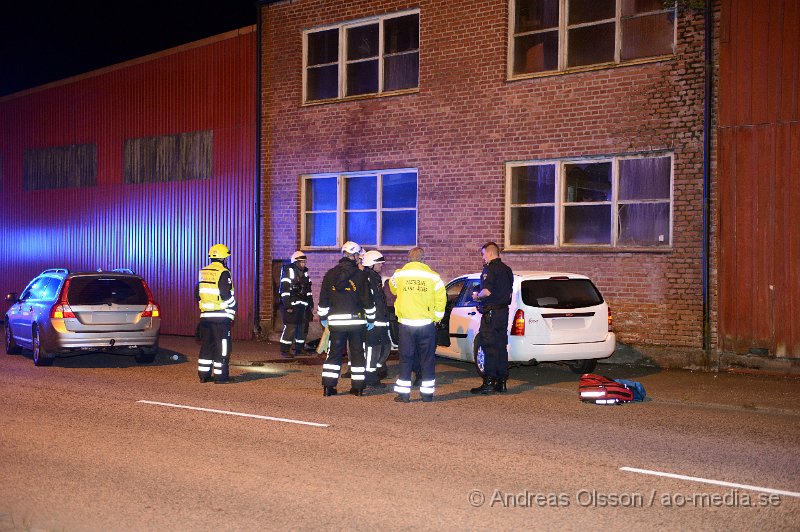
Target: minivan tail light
(610, 320)
(62, 309)
(518, 325)
(152, 309)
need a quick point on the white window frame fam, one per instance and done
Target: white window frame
(341, 210)
(342, 60)
(563, 38)
(560, 202)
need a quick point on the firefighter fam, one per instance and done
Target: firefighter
(497, 281)
(215, 295)
(378, 343)
(421, 299)
(296, 304)
(347, 308)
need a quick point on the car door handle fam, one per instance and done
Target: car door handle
(471, 313)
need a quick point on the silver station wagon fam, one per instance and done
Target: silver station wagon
(553, 317)
(60, 312)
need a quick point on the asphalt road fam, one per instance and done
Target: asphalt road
(79, 450)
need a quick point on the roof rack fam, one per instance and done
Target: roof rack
(55, 270)
(123, 270)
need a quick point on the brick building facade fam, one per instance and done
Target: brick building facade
(469, 125)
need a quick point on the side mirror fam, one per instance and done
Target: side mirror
(12, 297)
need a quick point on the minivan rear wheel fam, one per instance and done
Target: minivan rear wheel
(11, 346)
(479, 357)
(40, 356)
(582, 366)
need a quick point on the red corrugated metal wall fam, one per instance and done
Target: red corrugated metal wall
(162, 231)
(759, 177)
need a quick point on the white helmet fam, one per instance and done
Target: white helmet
(298, 255)
(351, 248)
(372, 257)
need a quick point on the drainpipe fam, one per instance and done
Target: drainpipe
(707, 132)
(257, 214)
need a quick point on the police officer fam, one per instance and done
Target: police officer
(378, 343)
(494, 297)
(296, 302)
(421, 299)
(347, 308)
(214, 293)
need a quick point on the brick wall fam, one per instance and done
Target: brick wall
(461, 128)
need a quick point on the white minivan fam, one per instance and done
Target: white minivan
(553, 317)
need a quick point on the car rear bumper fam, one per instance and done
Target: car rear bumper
(54, 340)
(520, 350)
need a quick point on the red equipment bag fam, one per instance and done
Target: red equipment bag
(602, 390)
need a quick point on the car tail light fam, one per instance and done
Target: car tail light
(152, 309)
(518, 325)
(62, 309)
(610, 320)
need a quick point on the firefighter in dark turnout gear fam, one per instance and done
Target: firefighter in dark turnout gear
(296, 304)
(378, 344)
(346, 307)
(215, 295)
(497, 282)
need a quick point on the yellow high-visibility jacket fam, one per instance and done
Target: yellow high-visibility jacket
(215, 294)
(420, 292)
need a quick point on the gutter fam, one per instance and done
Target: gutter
(707, 133)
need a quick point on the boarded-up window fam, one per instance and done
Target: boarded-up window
(169, 158)
(61, 167)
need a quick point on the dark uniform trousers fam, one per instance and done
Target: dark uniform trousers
(417, 349)
(215, 334)
(351, 337)
(378, 346)
(295, 326)
(494, 340)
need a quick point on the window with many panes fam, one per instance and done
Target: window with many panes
(372, 208)
(365, 57)
(616, 201)
(554, 35)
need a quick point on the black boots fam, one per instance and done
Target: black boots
(402, 398)
(487, 388)
(328, 391)
(500, 386)
(357, 393)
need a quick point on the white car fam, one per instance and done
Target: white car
(553, 317)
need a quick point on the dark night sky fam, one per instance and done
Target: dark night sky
(44, 41)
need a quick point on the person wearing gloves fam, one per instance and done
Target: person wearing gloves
(296, 303)
(378, 343)
(347, 308)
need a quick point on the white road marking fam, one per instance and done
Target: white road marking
(711, 481)
(268, 418)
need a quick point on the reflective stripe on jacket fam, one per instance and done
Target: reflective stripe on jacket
(215, 299)
(421, 296)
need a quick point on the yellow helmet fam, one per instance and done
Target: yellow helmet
(219, 251)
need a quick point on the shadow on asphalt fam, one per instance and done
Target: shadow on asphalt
(113, 359)
(452, 371)
(531, 377)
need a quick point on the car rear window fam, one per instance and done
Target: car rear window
(92, 290)
(560, 293)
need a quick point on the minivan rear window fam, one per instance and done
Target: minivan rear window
(94, 290)
(560, 293)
